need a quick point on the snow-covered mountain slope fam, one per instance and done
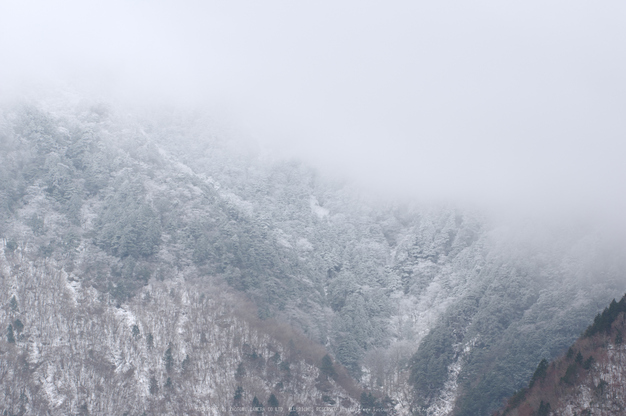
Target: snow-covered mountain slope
(589, 380)
(443, 309)
(177, 347)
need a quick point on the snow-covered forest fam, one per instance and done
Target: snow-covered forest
(153, 263)
(588, 379)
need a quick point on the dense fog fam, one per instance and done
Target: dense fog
(505, 105)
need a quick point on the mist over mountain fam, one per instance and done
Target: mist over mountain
(206, 208)
(428, 307)
(517, 105)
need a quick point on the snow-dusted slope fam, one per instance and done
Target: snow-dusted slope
(589, 380)
(441, 308)
(175, 348)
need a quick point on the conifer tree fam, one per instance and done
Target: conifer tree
(544, 409)
(11, 246)
(284, 366)
(579, 358)
(154, 386)
(540, 372)
(18, 326)
(10, 337)
(368, 403)
(238, 394)
(272, 401)
(257, 406)
(326, 366)
(185, 364)
(168, 359)
(241, 371)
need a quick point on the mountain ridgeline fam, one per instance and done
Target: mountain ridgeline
(590, 379)
(123, 221)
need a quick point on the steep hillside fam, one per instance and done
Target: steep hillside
(589, 380)
(442, 309)
(396, 277)
(524, 303)
(178, 347)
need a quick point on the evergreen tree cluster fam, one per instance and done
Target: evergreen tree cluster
(603, 321)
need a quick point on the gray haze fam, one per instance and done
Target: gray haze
(508, 103)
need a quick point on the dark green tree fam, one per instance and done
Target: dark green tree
(272, 401)
(348, 352)
(150, 341)
(135, 331)
(241, 371)
(368, 404)
(13, 303)
(601, 388)
(154, 385)
(168, 359)
(604, 320)
(570, 374)
(540, 372)
(238, 394)
(10, 337)
(327, 399)
(618, 338)
(257, 406)
(544, 409)
(579, 358)
(326, 366)
(185, 364)
(18, 326)
(388, 404)
(11, 246)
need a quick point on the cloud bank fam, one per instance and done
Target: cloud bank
(519, 104)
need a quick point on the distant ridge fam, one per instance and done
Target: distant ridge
(590, 379)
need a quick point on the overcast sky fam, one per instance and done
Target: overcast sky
(516, 101)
